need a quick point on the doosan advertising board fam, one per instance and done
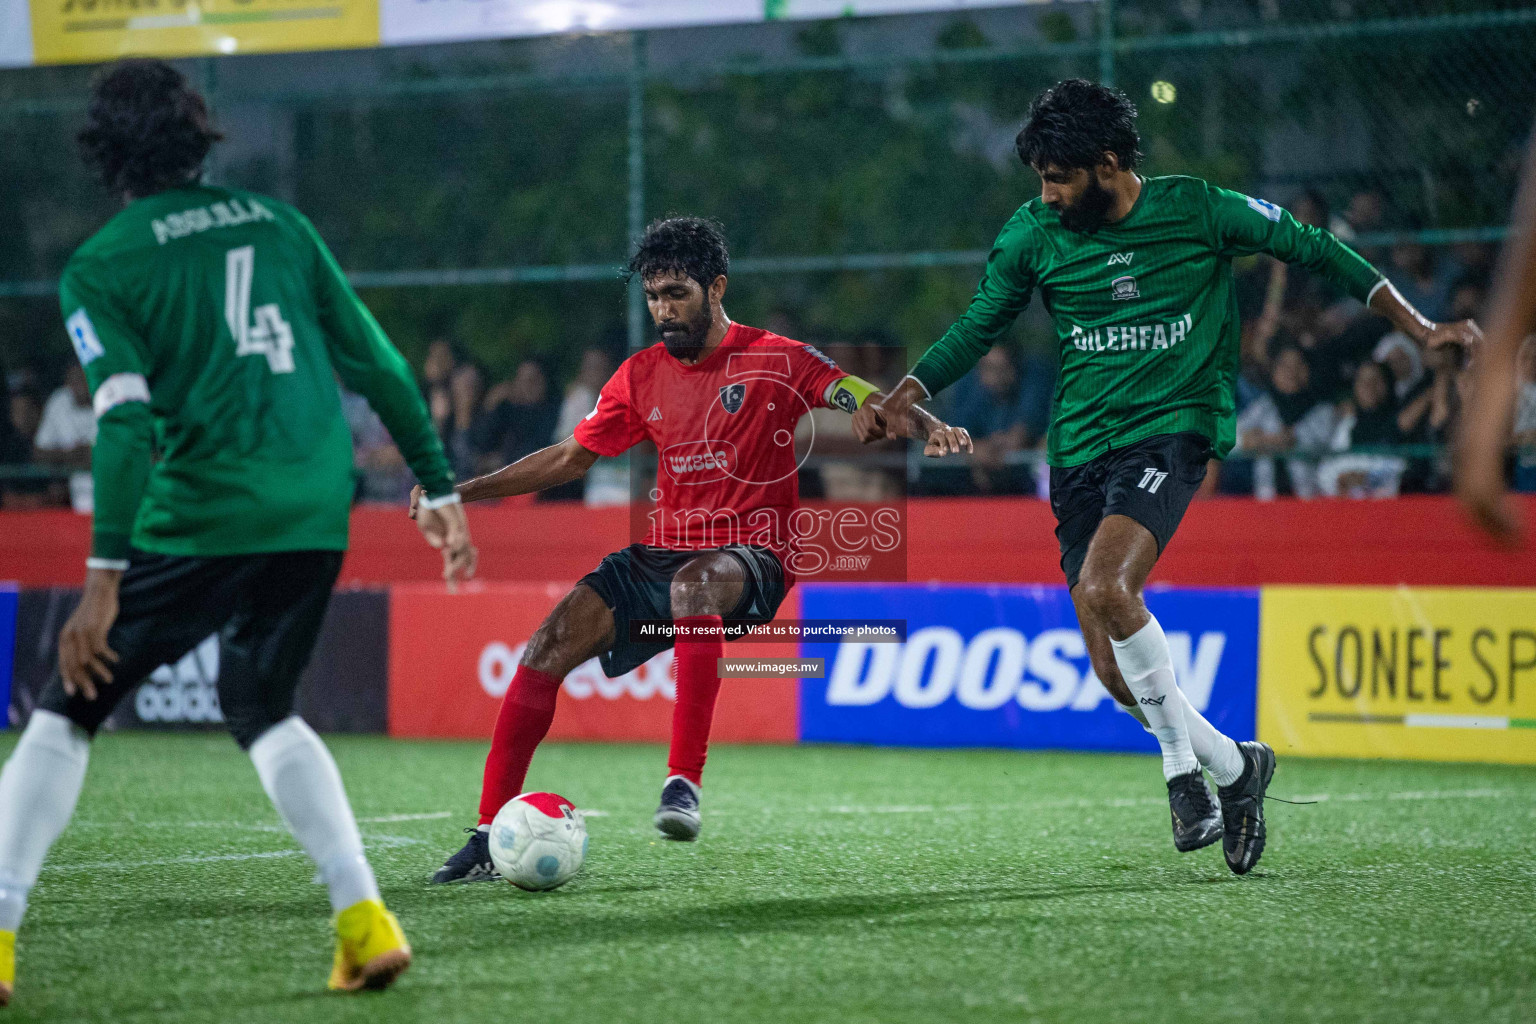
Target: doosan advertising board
(1006, 666)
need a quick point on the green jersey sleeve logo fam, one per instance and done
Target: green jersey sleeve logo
(83, 335)
(1269, 210)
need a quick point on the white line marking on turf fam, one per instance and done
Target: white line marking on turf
(1148, 801)
(372, 843)
(1423, 794)
(104, 865)
(241, 826)
(424, 816)
(233, 826)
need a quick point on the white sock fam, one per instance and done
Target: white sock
(1216, 753)
(299, 775)
(38, 790)
(1134, 712)
(1147, 669)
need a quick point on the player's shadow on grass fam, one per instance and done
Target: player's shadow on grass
(567, 924)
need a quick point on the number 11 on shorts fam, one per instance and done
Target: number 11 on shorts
(1151, 480)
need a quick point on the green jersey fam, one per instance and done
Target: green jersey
(213, 325)
(1145, 310)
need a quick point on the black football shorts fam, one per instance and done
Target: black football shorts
(266, 608)
(1150, 481)
(636, 582)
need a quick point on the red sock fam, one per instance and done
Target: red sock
(698, 684)
(526, 711)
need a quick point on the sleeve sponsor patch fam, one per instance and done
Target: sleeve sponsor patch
(82, 334)
(119, 389)
(1269, 210)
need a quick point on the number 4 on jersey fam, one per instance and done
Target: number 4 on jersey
(268, 334)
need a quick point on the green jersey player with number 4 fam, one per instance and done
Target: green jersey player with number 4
(213, 325)
(1136, 275)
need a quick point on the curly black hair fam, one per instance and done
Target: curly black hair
(1074, 123)
(146, 129)
(694, 246)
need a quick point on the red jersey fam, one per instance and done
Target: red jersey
(724, 431)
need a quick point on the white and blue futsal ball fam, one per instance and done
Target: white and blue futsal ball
(538, 841)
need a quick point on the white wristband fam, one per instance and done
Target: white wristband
(451, 498)
(919, 383)
(120, 564)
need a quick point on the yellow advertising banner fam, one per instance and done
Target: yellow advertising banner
(76, 31)
(1435, 674)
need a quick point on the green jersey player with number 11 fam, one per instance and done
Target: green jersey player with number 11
(1136, 275)
(212, 325)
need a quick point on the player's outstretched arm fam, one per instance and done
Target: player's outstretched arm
(548, 467)
(1003, 293)
(370, 365)
(1388, 302)
(1242, 225)
(443, 523)
(887, 415)
(898, 415)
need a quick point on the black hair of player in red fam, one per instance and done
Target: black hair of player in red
(1074, 123)
(694, 246)
(146, 128)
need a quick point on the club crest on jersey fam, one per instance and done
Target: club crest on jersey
(731, 396)
(1124, 288)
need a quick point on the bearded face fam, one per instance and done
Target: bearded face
(682, 312)
(685, 334)
(1086, 214)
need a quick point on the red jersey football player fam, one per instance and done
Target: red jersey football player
(720, 401)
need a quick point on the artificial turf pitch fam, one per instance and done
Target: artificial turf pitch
(830, 884)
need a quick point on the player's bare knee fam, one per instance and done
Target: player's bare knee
(1113, 602)
(579, 627)
(707, 585)
(697, 598)
(543, 651)
(556, 648)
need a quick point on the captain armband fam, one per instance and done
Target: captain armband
(120, 389)
(848, 393)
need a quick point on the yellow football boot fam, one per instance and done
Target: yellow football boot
(7, 966)
(371, 951)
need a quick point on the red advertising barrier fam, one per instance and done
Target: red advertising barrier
(1223, 542)
(452, 656)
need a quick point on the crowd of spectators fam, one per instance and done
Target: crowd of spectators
(1331, 401)
(45, 442)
